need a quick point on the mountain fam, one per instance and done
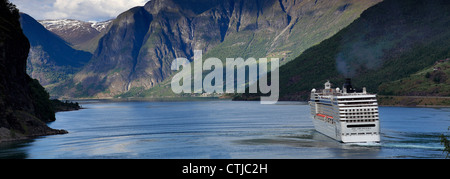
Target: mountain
(51, 59)
(75, 31)
(431, 81)
(430, 86)
(140, 44)
(24, 104)
(80, 35)
(390, 41)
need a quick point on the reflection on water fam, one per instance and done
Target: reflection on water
(224, 129)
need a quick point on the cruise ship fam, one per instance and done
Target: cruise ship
(345, 115)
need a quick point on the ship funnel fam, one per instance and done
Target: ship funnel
(348, 85)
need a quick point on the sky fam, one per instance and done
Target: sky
(86, 10)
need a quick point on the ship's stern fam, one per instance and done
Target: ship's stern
(360, 132)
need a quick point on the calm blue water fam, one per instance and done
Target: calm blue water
(224, 129)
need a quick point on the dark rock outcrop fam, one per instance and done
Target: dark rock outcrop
(24, 104)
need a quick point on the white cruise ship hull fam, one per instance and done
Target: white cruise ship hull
(345, 117)
(327, 129)
(347, 132)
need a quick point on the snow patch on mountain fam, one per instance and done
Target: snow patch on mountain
(75, 31)
(73, 25)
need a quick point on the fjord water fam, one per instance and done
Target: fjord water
(224, 129)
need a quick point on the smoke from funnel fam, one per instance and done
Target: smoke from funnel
(343, 67)
(357, 56)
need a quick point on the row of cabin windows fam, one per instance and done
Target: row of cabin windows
(364, 114)
(358, 103)
(359, 117)
(354, 99)
(360, 110)
(366, 133)
(361, 120)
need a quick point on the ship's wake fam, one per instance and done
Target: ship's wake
(366, 144)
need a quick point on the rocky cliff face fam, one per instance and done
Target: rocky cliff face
(24, 104)
(139, 46)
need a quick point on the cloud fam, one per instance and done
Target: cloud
(86, 10)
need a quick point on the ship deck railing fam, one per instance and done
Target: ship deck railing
(334, 93)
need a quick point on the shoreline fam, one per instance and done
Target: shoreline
(38, 128)
(385, 101)
(159, 99)
(418, 106)
(414, 101)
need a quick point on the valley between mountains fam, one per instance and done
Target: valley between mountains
(132, 53)
(379, 44)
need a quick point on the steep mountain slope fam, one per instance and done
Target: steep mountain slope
(284, 29)
(51, 60)
(138, 48)
(24, 104)
(431, 81)
(430, 86)
(390, 41)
